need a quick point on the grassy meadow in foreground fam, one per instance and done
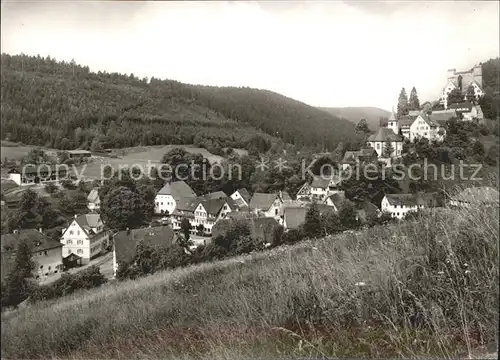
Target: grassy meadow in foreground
(426, 287)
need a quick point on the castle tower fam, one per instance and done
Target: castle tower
(477, 73)
(450, 75)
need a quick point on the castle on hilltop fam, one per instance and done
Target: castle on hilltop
(462, 80)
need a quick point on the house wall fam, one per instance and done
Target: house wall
(115, 264)
(48, 262)
(164, 203)
(394, 126)
(397, 211)
(304, 192)
(318, 193)
(16, 178)
(274, 210)
(379, 147)
(92, 206)
(75, 241)
(236, 195)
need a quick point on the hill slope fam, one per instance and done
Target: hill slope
(290, 303)
(64, 105)
(354, 114)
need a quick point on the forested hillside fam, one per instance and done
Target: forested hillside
(64, 105)
(490, 103)
(354, 114)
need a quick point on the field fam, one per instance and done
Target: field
(422, 288)
(138, 156)
(15, 151)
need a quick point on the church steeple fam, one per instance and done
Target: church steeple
(393, 115)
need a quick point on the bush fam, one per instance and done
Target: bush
(293, 236)
(68, 184)
(69, 283)
(51, 188)
(278, 236)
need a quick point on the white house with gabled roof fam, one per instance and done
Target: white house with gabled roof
(424, 127)
(169, 195)
(85, 237)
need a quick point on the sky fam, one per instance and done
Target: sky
(324, 53)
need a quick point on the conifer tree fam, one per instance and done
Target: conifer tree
(414, 103)
(402, 103)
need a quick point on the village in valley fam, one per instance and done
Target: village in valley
(180, 216)
(243, 180)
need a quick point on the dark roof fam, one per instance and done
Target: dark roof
(87, 222)
(93, 195)
(428, 120)
(402, 199)
(444, 113)
(351, 156)
(240, 203)
(406, 121)
(35, 239)
(213, 206)
(320, 182)
(238, 215)
(178, 190)
(126, 241)
(262, 201)
(72, 257)
(366, 210)
(186, 204)
(367, 152)
(285, 196)
(385, 134)
(213, 195)
(294, 216)
(244, 194)
(461, 107)
(483, 194)
(339, 200)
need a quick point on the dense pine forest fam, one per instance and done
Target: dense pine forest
(64, 106)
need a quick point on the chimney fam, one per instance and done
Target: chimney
(75, 216)
(40, 230)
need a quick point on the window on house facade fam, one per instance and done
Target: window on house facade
(78, 232)
(70, 242)
(80, 242)
(71, 232)
(275, 211)
(79, 251)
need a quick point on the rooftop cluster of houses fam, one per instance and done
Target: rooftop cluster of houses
(83, 240)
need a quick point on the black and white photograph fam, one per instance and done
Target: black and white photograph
(249, 180)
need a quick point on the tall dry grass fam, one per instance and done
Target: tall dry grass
(427, 287)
